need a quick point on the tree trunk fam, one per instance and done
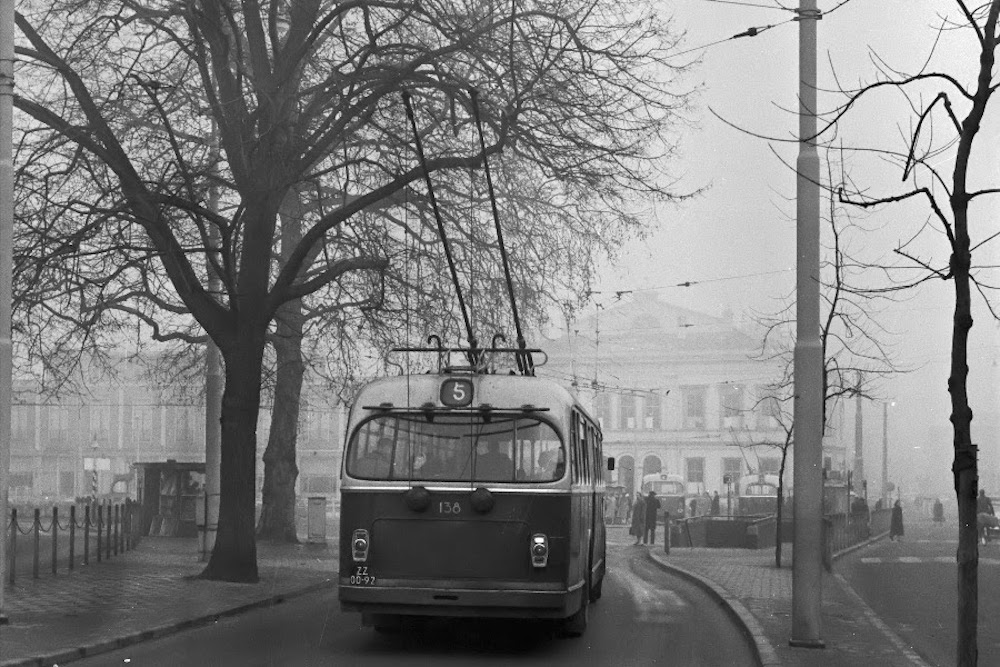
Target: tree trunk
(277, 518)
(234, 557)
(965, 466)
(781, 503)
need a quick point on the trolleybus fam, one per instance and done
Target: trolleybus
(758, 494)
(670, 491)
(468, 494)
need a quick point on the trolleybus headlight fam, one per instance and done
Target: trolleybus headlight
(539, 550)
(359, 545)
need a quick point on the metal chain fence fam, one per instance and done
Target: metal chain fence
(104, 530)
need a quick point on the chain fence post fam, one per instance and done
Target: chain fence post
(55, 537)
(117, 532)
(72, 535)
(37, 529)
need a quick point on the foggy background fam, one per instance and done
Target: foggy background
(739, 236)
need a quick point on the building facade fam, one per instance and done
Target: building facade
(680, 392)
(86, 445)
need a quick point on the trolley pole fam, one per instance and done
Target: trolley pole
(6, 263)
(807, 569)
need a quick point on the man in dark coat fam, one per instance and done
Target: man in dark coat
(638, 518)
(715, 504)
(652, 508)
(896, 522)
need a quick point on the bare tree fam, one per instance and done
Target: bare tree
(855, 351)
(307, 92)
(938, 175)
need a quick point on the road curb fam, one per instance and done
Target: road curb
(766, 655)
(106, 645)
(859, 545)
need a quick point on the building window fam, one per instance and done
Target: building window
(142, 423)
(20, 417)
(100, 423)
(58, 423)
(770, 465)
(21, 480)
(317, 484)
(67, 484)
(769, 410)
(602, 409)
(628, 411)
(694, 407)
(731, 405)
(733, 467)
(695, 470)
(653, 408)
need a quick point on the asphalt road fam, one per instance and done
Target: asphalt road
(646, 617)
(911, 584)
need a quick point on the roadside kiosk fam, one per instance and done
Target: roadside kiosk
(168, 493)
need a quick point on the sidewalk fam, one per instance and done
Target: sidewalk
(145, 594)
(761, 596)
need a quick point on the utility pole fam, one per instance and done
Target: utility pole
(859, 449)
(6, 268)
(213, 381)
(807, 567)
(885, 454)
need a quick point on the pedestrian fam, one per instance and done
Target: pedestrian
(652, 510)
(715, 504)
(896, 522)
(983, 503)
(638, 518)
(938, 511)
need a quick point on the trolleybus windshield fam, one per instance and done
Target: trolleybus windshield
(456, 448)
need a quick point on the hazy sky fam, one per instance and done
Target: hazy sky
(743, 225)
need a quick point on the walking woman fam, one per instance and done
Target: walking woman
(638, 518)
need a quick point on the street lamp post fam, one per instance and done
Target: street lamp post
(6, 264)
(885, 453)
(807, 568)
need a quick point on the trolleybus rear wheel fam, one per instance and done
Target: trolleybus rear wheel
(597, 590)
(576, 625)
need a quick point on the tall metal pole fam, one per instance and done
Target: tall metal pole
(859, 448)
(807, 568)
(6, 266)
(213, 381)
(885, 454)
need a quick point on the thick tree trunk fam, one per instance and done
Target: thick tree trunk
(277, 518)
(965, 468)
(234, 557)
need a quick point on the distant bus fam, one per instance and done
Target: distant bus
(670, 491)
(758, 494)
(467, 494)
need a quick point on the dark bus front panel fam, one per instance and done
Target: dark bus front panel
(446, 562)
